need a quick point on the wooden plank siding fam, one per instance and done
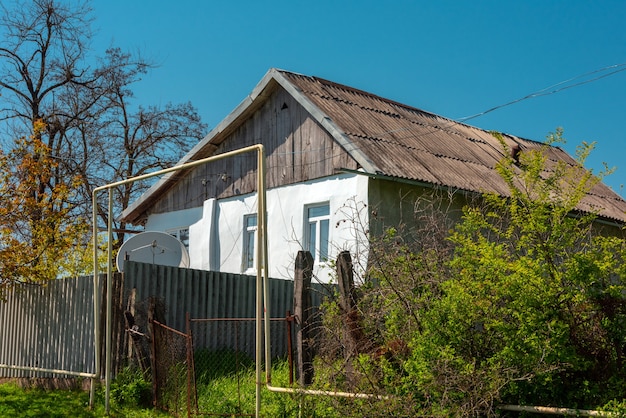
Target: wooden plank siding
(297, 149)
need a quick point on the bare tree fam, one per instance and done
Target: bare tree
(91, 128)
(125, 141)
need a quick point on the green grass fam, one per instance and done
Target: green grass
(20, 402)
(227, 390)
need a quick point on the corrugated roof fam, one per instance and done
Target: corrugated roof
(409, 143)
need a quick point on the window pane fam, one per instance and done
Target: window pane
(250, 250)
(318, 218)
(250, 227)
(324, 240)
(312, 239)
(250, 221)
(316, 211)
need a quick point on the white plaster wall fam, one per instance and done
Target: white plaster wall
(222, 222)
(201, 237)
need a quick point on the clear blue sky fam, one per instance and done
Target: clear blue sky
(452, 58)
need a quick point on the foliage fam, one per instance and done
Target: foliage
(232, 391)
(211, 364)
(520, 302)
(535, 303)
(35, 236)
(69, 117)
(131, 389)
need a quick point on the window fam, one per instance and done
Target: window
(182, 234)
(317, 229)
(249, 241)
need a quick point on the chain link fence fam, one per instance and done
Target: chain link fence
(224, 358)
(210, 369)
(173, 378)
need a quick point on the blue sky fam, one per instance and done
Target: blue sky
(452, 58)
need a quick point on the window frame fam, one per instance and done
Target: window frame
(320, 221)
(249, 251)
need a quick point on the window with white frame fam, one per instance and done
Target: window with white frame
(317, 231)
(182, 234)
(249, 242)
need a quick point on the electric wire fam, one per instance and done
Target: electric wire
(555, 88)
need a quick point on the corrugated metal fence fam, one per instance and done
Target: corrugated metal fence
(48, 327)
(52, 326)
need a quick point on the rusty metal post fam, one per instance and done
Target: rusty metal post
(153, 362)
(288, 320)
(191, 369)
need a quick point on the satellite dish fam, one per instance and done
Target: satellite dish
(154, 248)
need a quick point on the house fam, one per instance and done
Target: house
(328, 146)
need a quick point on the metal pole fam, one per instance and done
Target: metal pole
(266, 298)
(259, 329)
(550, 410)
(288, 320)
(41, 369)
(261, 159)
(354, 395)
(261, 270)
(109, 309)
(96, 302)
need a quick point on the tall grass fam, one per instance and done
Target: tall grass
(225, 383)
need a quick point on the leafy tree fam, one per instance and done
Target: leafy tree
(536, 298)
(77, 113)
(35, 236)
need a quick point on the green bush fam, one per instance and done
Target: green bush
(130, 388)
(521, 301)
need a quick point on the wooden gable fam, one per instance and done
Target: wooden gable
(297, 148)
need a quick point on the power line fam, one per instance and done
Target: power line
(555, 88)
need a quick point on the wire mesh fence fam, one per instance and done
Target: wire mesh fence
(210, 369)
(224, 358)
(172, 370)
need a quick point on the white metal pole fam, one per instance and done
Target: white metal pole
(261, 270)
(550, 410)
(96, 302)
(110, 186)
(265, 271)
(109, 315)
(41, 369)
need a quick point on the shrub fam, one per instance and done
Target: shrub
(130, 388)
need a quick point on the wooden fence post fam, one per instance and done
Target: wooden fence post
(302, 311)
(352, 332)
